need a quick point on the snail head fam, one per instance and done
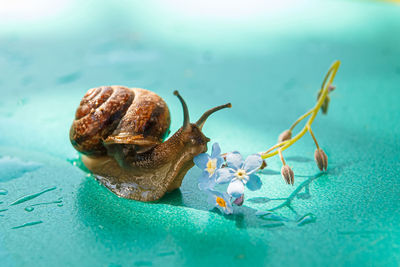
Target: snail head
(192, 132)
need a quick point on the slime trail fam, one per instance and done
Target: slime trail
(27, 224)
(29, 197)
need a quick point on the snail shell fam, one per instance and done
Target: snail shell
(111, 115)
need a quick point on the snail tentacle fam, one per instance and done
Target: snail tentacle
(204, 117)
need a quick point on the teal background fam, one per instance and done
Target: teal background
(269, 60)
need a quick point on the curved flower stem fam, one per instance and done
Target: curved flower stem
(281, 156)
(312, 135)
(329, 77)
(300, 119)
(277, 145)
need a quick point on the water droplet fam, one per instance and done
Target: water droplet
(29, 208)
(27, 224)
(3, 192)
(29, 197)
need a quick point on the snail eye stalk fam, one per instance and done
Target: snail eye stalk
(204, 117)
(186, 119)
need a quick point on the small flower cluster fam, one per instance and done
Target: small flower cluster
(230, 170)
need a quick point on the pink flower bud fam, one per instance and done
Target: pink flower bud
(239, 201)
(321, 159)
(286, 135)
(287, 174)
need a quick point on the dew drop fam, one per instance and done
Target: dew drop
(29, 208)
(29, 197)
(27, 224)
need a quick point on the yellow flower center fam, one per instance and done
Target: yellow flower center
(211, 166)
(240, 174)
(221, 202)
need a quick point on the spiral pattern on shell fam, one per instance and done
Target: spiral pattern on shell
(118, 115)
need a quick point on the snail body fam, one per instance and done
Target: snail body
(120, 132)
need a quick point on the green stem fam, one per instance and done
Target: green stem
(328, 80)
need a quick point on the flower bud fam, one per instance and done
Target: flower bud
(263, 165)
(287, 174)
(239, 201)
(324, 106)
(321, 159)
(286, 135)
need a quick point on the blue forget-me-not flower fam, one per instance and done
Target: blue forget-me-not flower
(220, 200)
(240, 173)
(209, 165)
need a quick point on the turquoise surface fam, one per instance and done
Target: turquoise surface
(268, 59)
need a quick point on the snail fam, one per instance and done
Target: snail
(120, 133)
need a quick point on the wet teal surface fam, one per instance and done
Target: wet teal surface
(268, 60)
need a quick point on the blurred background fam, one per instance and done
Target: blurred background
(266, 57)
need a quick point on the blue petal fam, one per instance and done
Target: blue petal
(220, 161)
(234, 160)
(236, 188)
(201, 160)
(254, 182)
(216, 151)
(206, 182)
(252, 163)
(228, 209)
(224, 175)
